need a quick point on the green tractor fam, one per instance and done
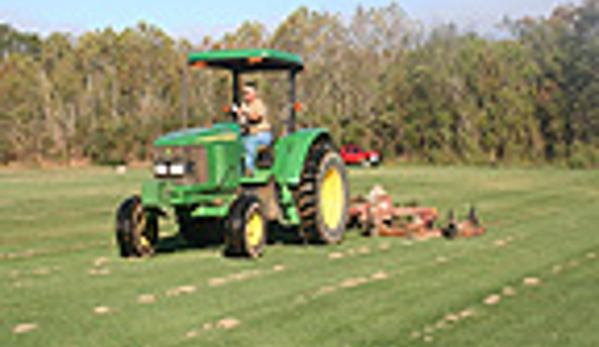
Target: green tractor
(299, 185)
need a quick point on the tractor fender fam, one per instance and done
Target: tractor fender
(291, 152)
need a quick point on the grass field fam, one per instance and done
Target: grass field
(531, 281)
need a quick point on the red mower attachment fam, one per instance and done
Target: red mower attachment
(377, 216)
(468, 228)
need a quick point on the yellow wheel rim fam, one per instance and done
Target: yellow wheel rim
(254, 229)
(144, 241)
(140, 228)
(332, 198)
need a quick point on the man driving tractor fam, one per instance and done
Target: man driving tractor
(252, 115)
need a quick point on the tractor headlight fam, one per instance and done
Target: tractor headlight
(161, 169)
(177, 169)
(181, 165)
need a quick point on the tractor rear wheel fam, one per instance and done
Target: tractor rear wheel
(246, 232)
(136, 229)
(323, 196)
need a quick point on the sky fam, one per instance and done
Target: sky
(195, 19)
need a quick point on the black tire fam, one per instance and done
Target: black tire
(243, 238)
(198, 232)
(136, 229)
(311, 204)
(451, 231)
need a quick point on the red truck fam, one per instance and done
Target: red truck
(354, 155)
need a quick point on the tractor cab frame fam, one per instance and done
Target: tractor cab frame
(240, 62)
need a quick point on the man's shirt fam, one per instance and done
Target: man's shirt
(257, 107)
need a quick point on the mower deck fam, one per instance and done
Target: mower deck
(377, 216)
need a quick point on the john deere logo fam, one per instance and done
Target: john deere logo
(168, 151)
(216, 138)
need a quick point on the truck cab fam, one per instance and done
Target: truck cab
(355, 155)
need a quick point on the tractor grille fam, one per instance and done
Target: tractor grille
(194, 159)
(198, 158)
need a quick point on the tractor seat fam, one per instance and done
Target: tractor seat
(266, 156)
(263, 149)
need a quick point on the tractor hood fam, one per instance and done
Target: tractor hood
(225, 132)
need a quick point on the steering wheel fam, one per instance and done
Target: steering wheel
(241, 119)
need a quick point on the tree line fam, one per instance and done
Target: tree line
(378, 79)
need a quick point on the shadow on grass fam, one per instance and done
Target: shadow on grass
(278, 233)
(213, 238)
(173, 243)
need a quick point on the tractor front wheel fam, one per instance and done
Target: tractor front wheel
(246, 232)
(136, 229)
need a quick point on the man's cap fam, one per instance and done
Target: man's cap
(253, 85)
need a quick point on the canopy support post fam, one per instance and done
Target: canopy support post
(236, 87)
(292, 110)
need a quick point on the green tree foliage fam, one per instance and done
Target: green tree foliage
(377, 78)
(13, 41)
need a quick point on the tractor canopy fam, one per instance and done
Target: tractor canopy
(246, 60)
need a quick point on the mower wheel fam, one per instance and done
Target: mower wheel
(323, 196)
(136, 229)
(246, 229)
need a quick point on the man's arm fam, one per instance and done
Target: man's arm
(254, 117)
(256, 112)
(247, 113)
